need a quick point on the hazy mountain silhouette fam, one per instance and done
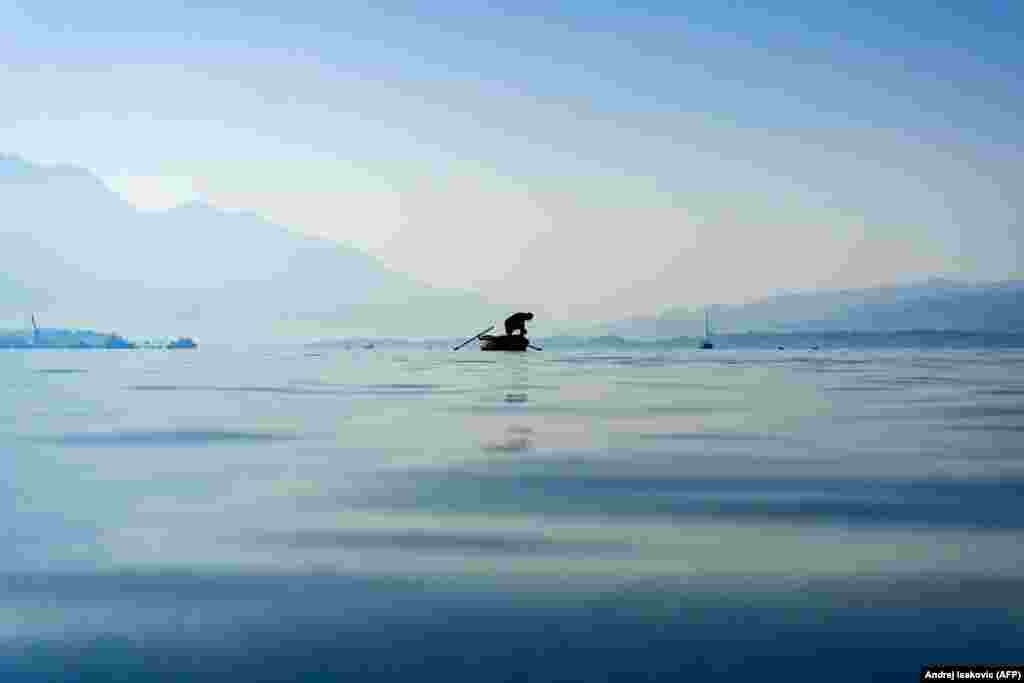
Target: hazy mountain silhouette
(936, 304)
(78, 255)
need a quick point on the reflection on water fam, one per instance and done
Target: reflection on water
(545, 516)
(174, 437)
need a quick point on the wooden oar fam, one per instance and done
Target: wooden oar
(476, 336)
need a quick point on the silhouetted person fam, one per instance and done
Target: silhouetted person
(517, 323)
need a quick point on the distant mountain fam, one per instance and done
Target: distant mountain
(79, 256)
(936, 304)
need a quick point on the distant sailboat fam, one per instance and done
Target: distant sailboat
(706, 341)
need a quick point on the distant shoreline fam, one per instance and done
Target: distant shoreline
(73, 339)
(772, 340)
(925, 339)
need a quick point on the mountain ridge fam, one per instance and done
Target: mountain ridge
(937, 303)
(81, 255)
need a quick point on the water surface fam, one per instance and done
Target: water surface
(565, 515)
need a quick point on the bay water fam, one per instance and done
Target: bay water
(301, 513)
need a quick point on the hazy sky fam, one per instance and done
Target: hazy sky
(608, 160)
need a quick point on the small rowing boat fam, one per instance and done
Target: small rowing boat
(504, 342)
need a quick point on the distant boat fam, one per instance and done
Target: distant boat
(706, 341)
(504, 342)
(182, 343)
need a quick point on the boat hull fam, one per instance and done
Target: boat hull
(505, 342)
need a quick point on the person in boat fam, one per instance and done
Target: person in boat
(517, 323)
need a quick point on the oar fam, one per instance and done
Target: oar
(472, 338)
(535, 348)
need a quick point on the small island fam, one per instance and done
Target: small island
(62, 338)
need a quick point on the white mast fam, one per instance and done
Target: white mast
(706, 342)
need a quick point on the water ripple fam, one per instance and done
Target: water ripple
(574, 491)
(712, 436)
(417, 540)
(173, 437)
(307, 388)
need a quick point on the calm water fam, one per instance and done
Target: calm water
(404, 514)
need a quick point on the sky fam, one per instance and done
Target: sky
(602, 158)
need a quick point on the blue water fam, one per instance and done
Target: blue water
(401, 513)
